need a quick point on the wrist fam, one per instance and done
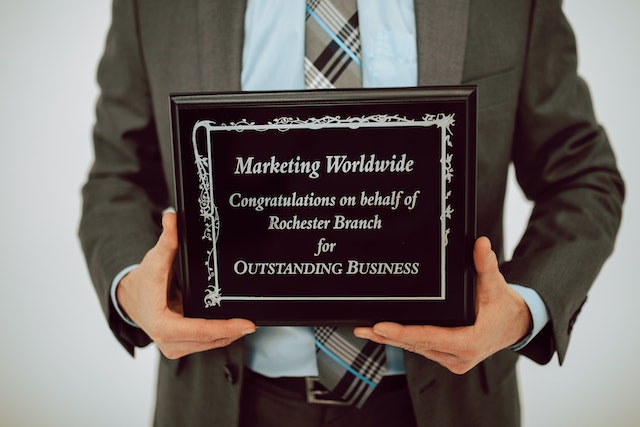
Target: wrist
(538, 311)
(116, 293)
(523, 320)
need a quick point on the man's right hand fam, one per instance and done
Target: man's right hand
(144, 295)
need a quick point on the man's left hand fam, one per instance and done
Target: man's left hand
(502, 319)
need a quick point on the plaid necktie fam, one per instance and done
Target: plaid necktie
(332, 45)
(348, 366)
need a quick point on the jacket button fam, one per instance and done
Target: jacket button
(230, 373)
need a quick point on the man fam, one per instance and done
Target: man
(533, 111)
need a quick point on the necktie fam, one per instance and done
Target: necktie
(348, 366)
(332, 45)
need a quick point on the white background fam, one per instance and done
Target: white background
(59, 364)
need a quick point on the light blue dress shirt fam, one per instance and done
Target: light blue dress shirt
(273, 60)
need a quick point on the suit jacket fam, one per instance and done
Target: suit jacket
(534, 112)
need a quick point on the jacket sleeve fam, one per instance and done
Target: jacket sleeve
(125, 191)
(565, 165)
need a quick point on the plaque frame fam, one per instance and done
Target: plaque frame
(198, 122)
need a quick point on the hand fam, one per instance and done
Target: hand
(502, 319)
(144, 294)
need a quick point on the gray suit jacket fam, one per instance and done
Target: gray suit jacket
(534, 111)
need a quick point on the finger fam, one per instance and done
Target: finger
(412, 337)
(178, 350)
(385, 333)
(176, 328)
(429, 336)
(451, 361)
(372, 336)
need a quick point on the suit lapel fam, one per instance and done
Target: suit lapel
(221, 37)
(442, 37)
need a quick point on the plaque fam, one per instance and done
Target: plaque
(327, 207)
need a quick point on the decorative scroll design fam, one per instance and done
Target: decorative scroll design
(210, 217)
(284, 124)
(208, 210)
(445, 125)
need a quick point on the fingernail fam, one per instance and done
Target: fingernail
(248, 331)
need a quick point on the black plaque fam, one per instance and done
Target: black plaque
(327, 207)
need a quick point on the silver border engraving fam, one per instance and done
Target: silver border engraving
(209, 212)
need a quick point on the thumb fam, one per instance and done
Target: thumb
(169, 236)
(486, 264)
(164, 252)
